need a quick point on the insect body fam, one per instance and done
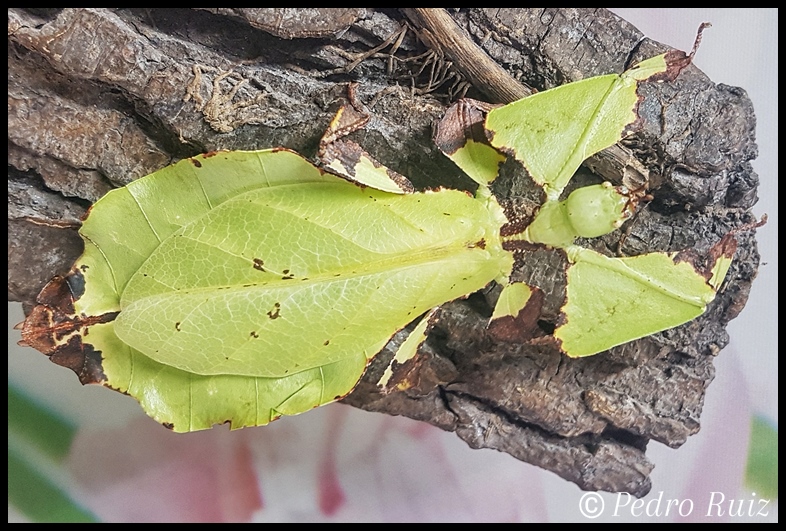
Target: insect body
(308, 272)
(242, 286)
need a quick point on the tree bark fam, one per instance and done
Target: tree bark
(97, 98)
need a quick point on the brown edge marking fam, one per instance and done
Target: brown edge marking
(726, 247)
(420, 375)
(50, 323)
(347, 120)
(518, 217)
(349, 154)
(207, 155)
(518, 246)
(524, 326)
(513, 227)
(402, 182)
(334, 147)
(704, 263)
(87, 212)
(637, 123)
(676, 62)
(415, 372)
(346, 152)
(465, 120)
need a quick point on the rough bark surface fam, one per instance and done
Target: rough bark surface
(97, 98)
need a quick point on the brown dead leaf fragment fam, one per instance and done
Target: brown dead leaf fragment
(53, 328)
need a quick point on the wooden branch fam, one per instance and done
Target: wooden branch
(440, 32)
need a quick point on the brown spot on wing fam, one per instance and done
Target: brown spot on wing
(275, 313)
(400, 180)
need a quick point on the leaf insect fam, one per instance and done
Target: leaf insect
(240, 286)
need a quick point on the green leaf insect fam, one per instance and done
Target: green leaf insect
(241, 286)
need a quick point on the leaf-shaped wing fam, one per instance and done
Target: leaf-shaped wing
(132, 221)
(554, 131)
(285, 279)
(611, 301)
(185, 401)
(251, 285)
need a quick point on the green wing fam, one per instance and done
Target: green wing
(554, 131)
(611, 301)
(251, 285)
(284, 279)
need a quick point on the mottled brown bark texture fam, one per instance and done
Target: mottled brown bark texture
(97, 98)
